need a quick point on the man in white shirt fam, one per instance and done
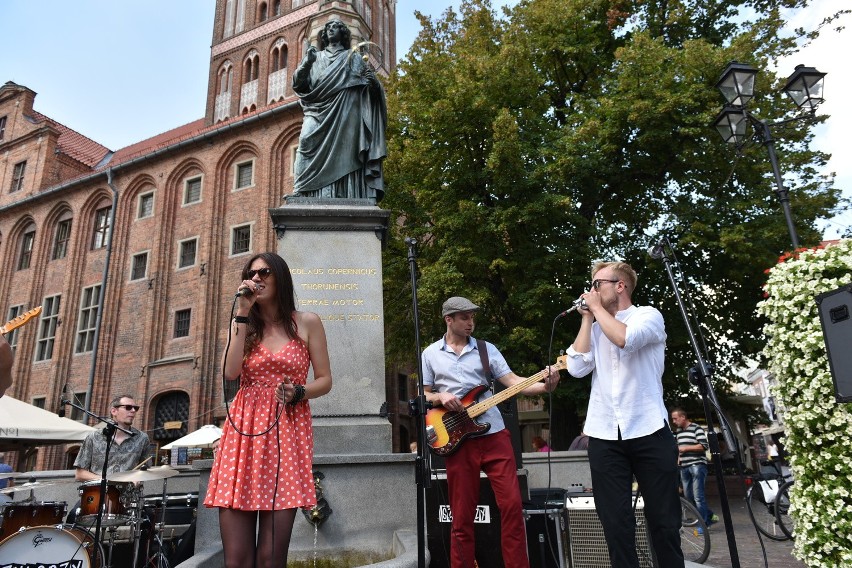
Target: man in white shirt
(623, 346)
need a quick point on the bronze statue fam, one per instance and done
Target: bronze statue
(342, 144)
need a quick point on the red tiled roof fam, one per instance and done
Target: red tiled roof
(179, 134)
(73, 144)
(161, 140)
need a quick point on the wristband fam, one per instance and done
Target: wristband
(241, 319)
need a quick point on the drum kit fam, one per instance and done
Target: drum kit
(33, 533)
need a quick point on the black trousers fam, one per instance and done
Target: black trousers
(652, 460)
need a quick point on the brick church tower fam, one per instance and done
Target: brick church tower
(134, 254)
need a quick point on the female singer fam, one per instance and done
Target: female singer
(262, 471)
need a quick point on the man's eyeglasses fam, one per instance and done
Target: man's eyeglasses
(127, 407)
(596, 284)
(262, 272)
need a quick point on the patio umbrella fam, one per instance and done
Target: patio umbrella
(201, 438)
(23, 425)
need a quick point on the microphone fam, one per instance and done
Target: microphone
(245, 292)
(579, 304)
(658, 250)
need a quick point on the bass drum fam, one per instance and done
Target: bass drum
(71, 547)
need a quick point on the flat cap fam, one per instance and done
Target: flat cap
(458, 304)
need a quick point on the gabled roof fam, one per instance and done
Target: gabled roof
(161, 140)
(73, 144)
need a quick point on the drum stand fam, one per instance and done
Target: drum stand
(156, 528)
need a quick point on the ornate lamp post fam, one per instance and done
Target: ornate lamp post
(737, 85)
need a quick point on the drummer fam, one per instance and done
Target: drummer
(126, 452)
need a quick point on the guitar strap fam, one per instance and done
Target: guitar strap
(486, 367)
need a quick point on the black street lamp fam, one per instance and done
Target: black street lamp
(737, 85)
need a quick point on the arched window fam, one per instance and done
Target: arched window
(223, 97)
(279, 56)
(262, 12)
(171, 407)
(251, 67)
(276, 8)
(25, 250)
(277, 87)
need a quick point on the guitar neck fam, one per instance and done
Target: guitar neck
(475, 410)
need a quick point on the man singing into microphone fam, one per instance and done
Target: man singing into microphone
(127, 450)
(452, 366)
(623, 346)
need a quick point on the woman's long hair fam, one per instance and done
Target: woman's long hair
(285, 299)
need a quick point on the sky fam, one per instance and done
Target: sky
(119, 72)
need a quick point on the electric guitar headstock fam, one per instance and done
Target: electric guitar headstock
(17, 322)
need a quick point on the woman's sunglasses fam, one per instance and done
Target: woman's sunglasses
(262, 272)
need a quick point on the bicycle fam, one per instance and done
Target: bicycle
(763, 507)
(785, 522)
(694, 536)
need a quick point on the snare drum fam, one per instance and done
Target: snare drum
(51, 546)
(118, 503)
(17, 516)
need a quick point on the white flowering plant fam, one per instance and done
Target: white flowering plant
(818, 429)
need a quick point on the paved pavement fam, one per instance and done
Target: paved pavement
(778, 554)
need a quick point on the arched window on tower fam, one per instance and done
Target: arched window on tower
(277, 84)
(276, 10)
(263, 13)
(248, 92)
(241, 16)
(223, 97)
(228, 30)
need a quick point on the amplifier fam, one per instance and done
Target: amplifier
(486, 523)
(586, 543)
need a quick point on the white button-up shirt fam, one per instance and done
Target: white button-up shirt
(627, 387)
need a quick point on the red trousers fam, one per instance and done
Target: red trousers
(494, 455)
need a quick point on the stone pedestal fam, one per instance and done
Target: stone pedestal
(333, 248)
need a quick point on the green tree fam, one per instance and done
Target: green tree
(523, 147)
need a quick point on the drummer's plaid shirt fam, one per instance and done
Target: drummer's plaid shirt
(122, 457)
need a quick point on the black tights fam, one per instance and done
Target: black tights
(247, 545)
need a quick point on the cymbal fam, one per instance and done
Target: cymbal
(35, 485)
(150, 474)
(8, 474)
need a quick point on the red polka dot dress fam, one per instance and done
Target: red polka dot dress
(271, 471)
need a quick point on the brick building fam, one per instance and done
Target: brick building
(134, 254)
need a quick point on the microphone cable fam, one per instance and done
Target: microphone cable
(227, 406)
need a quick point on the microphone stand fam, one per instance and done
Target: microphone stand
(418, 407)
(701, 375)
(109, 433)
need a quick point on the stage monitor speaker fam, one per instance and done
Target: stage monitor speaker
(834, 315)
(586, 542)
(547, 540)
(486, 525)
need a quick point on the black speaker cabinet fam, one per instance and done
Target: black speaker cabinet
(547, 541)
(834, 308)
(486, 526)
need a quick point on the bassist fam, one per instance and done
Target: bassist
(452, 366)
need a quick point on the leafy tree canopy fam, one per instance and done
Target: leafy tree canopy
(523, 146)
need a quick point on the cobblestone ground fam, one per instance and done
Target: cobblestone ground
(778, 554)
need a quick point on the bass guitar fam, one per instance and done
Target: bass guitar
(17, 322)
(446, 430)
